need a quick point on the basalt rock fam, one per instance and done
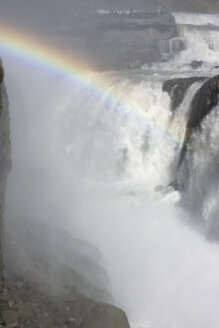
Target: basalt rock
(177, 88)
(204, 101)
(5, 160)
(195, 64)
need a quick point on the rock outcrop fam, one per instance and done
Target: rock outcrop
(52, 282)
(56, 257)
(204, 101)
(198, 174)
(24, 305)
(177, 88)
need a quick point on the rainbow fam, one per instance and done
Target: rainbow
(31, 48)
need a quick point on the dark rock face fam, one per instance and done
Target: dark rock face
(5, 159)
(203, 102)
(205, 99)
(177, 89)
(198, 173)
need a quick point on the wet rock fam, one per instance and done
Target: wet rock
(159, 188)
(74, 323)
(5, 161)
(177, 88)
(1, 320)
(10, 318)
(56, 257)
(195, 64)
(205, 99)
(96, 315)
(35, 308)
(165, 190)
(49, 293)
(24, 310)
(173, 185)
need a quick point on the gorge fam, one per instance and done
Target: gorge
(112, 197)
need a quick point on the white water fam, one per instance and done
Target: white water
(196, 19)
(92, 164)
(200, 36)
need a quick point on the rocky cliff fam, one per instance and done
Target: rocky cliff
(5, 162)
(203, 102)
(198, 170)
(177, 88)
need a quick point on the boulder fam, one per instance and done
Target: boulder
(195, 64)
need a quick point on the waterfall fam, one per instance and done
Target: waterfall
(199, 34)
(104, 167)
(176, 45)
(196, 19)
(199, 174)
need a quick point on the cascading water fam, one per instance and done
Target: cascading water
(105, 165)
(199, 173)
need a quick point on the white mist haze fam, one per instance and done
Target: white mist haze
(89, 165)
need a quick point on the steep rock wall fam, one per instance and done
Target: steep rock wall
(205, 99)
(198, 173)
(5, 159)
(177, 88)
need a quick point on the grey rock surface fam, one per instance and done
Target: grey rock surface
(5, 161)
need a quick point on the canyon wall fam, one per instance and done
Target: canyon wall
(5, 161)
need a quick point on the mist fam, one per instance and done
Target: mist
(97, 177)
